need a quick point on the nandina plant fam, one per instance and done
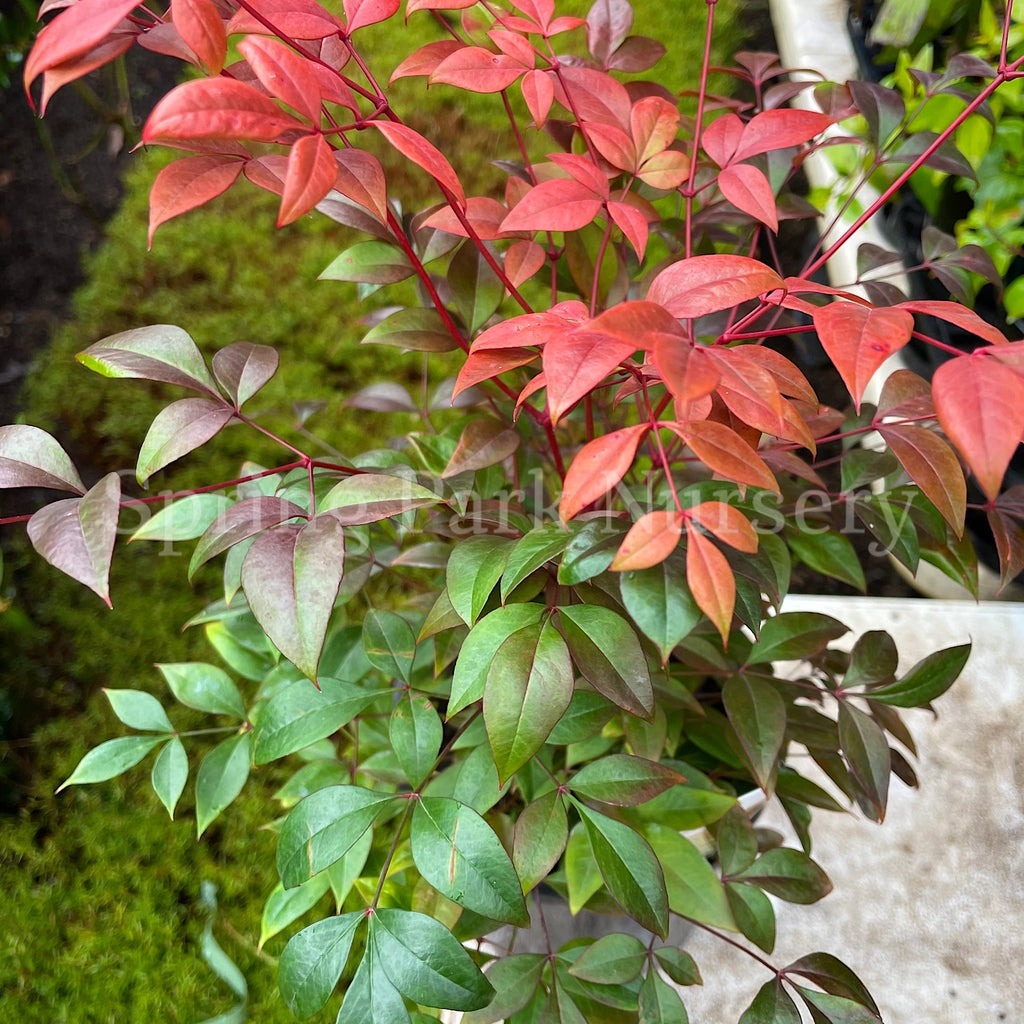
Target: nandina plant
(529, 652)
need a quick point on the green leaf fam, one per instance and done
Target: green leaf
(515, 980)
(389, 643)
(737, 843)
(204, 687)
(475, 566)
(623, 780)
(678, 965)
(480, 648)
(344, 657)
(372, 262)
(541, 834)
(527, 689)
(582, 875)
(829, 1009)
(477, 781)
(758, 714)
(178, 429)
(313, 960)
(660, 1003)
(284, 906)
(753, 913)
(170, 773)
(694, 890)
(687, 807)
(867, 753)
(586, 716)
(874, 659)
(343, 873)
(792, 636)
(426, 963)
(415, 330)
(629, 868)
(894, 531)
(660, 603)
(184, 519)
(457, 852)
(789, 874)
(530, 552)
(928, 679)
(772, 1005)
(371, 497)
(476, 290)
(139, 710)
(221, 776)
(613, 960)
(30, 457)
(825, 971)
(291, 576)
(322, 828)
(416, 733)
(111, 759)
(300, 714)
(161, 352)
(371, 996)
(589, 553)
(831, 554)
(607, 652)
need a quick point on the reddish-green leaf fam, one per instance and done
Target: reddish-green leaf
(415, 733)
(933, 466)
(371, 262)
(291, 576)
(416, 148)
(414, 330)
(705, 284)
(928, 679)
(660, 603)
(527, 690)
(651, 539)
(758, 714)
(834, 977)
(1009, 540)
(858, 339)
(750, 191)
(360, 13)
(30, 457)
(161, 353)
(980, 405)
(561, 204)
(830, 1009)
(243, 368)
(77, 535)
(178, 429)
(241, 521)
(370, 497)
(188, 183)
(215, 108)
(311, 174)
(474, 569)
(541, 833)
(201, 26)
(284, 74)
(867, 753)
(772, 1005)
(478, 70)
(533, 550)
(789, 874)
(598, 467)
(623, 780)
(791, 636)
(484, 442)
(711, 581)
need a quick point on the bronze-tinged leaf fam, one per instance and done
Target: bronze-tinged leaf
(178, 429)
(1009, 538)
(30, 457)
(724, 452)
(711, 581)
(688, 371)
(598, 467)
(858, 339)
(980, 405)
(481, 366)
(242, 368)
(788, 377)
(706, 284)
(651, 539)
(906, 393)
(933, 466)
(188, 183)
(725, 522)
(484, 442)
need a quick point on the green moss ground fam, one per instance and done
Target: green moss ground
(100, 919)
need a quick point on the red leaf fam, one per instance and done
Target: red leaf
(71, 70)
(727, 523)
(721, 138)
(523, 260)
(299, 19)
(437, 5)
(651, 539)
(311, 175)
(483, 213)
(779, 129)
(711, 581)
(477, 69)
(724, 452)
(688, 370)
(707, 284)
(216, 108)
(539, 94)
(360, 13)
(188, 183)
(598, 467)
(582, 169)
(166, 39)
(980, 405)
(789, 379)
(595, 96)
(74, 33)
(1009, 538)
(933, 466)
(284, 74)
(480, 366)
(361, 179)
(532, 328)
(202, 28)
(750, 191)
(574, 364)
(750, 392)
(653, 123)
(667, 170)
(960, 316)
(540, 11)
(638, 323)
(615, 145)
(633, 225)
(858, 339)
(425, 154)
(268, 172)
(559, 205)
(424, 60)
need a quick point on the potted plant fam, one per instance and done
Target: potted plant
(523, 649)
